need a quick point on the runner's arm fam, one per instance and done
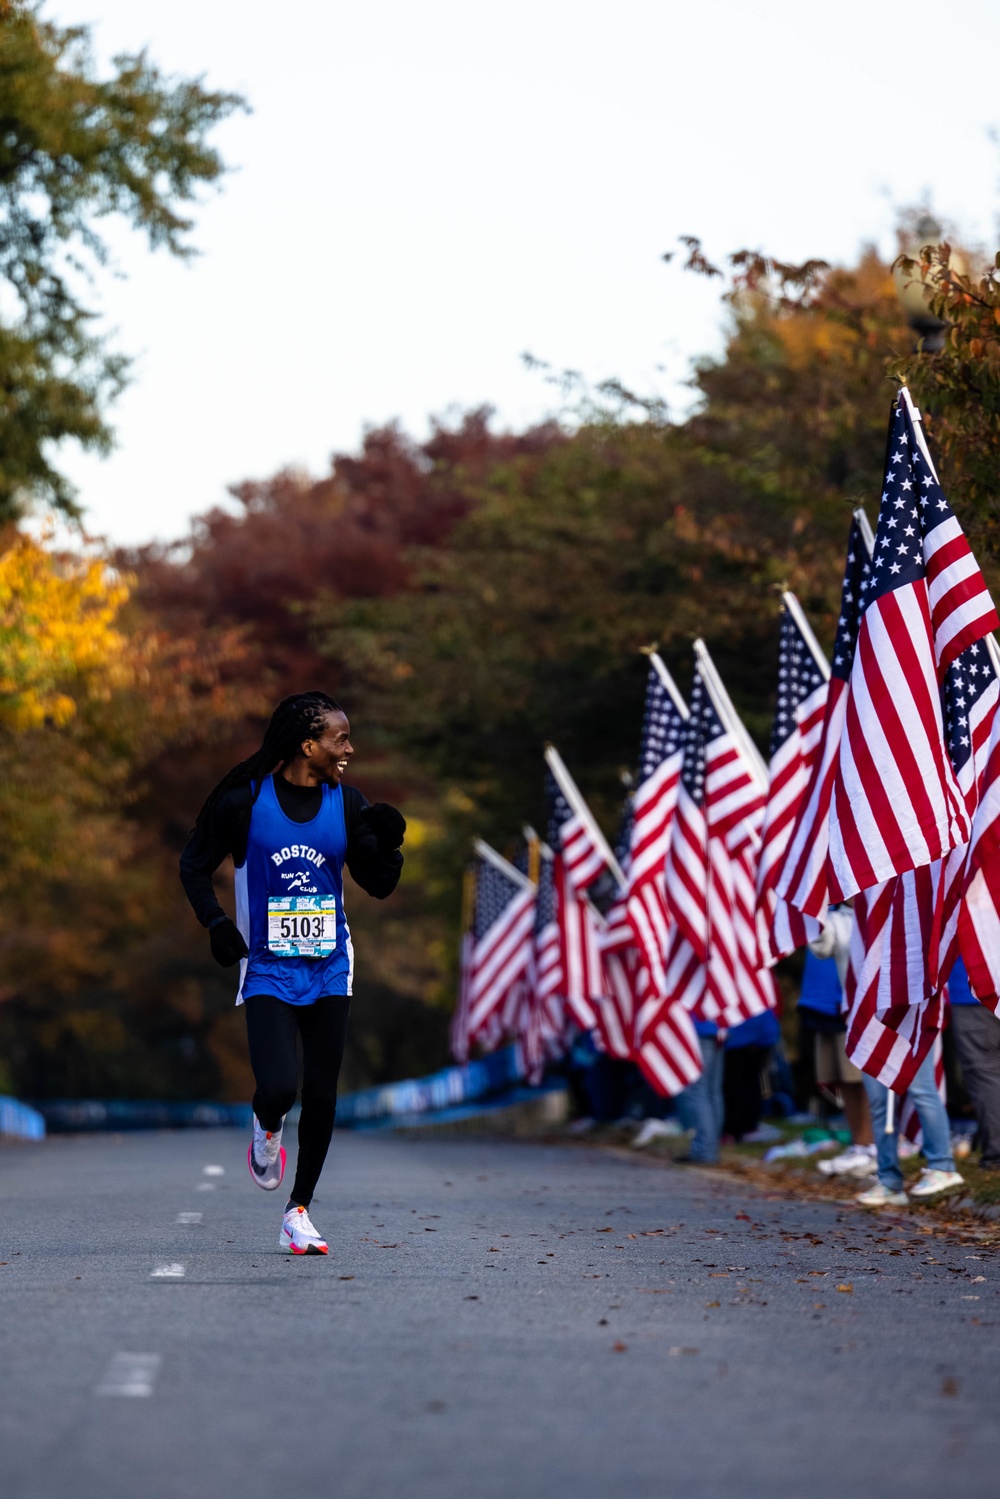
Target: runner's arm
(375, 869)
(226, 834)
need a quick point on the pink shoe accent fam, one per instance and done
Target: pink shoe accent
(253, 1173)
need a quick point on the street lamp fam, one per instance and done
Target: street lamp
(915, 294)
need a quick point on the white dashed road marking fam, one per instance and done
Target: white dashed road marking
(189, 1217)
(214, 1170)
(167, 1272)
(130, 1374)
(205, 1187)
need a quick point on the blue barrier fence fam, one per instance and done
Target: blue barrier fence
(494, 1077)
(65, 1116)
(447, 1089)
(19, 1122)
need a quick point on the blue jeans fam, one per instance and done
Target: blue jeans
(933, 1121)
(700, 1105)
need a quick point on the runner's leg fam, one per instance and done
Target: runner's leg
(272, 1026)
(323, 1027)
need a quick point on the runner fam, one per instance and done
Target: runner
(290, 826)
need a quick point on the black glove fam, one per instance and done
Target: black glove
(228, 946)
(386, 823)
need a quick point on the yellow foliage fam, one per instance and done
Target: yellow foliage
(57, 631)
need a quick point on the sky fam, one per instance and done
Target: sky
(425, 192)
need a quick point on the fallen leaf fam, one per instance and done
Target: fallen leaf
(977, 1280)
(744, 1217)
(492, 1251)
(631, 1236)
(618, 1347)
(602, 1321)
(675, 1351)
(345, 1277)
(949, 1385)
(713, 1303)
(602, 1230)
(846, 1286)
(471, 1298)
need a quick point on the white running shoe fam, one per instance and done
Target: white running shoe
(299, 1235)
(266, 1157)
(930, 1183)
(856, 1160)
(881, 1197)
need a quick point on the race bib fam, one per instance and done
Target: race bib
(302, 926)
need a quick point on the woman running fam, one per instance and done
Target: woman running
(290, 825)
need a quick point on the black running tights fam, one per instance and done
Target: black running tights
(272, 1028)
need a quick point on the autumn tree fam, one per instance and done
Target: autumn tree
(75, 148)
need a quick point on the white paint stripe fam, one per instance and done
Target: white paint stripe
(131, 1374)
(189, 1218)
(167, 1272)
(205, 1187)
(214, 1170)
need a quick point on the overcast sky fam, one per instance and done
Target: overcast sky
(424, 191)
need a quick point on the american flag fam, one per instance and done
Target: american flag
(660, 754)
(503, 923)
(618, 1004)
(580, 858)
(803, 880)
(896, 803)
(545, 974)
(892, 931)
(796, 735)
(633, 1021)
(971, 691)
(713, 962)
(910, 923)
(979, 916)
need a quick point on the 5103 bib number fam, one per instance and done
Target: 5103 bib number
(302, 926)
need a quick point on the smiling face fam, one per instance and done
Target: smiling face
(324, 759)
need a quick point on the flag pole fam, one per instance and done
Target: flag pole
(794, 608)
(731, 720)
(864, 526)
(568, 787)
(490, 856)
(668, 682)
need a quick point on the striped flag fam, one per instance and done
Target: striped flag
(896, 803)
(713, 964)
(910, 923)
(633, 1021)
(979, 912)
(503, 923)
(581, 857)
(803, 879)
(892, 1045)
(971, 692)
(545, 975)
(657, 784)
(796, 736)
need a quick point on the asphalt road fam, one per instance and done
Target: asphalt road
(495, 1320)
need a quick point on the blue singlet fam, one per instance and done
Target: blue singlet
(293, 867)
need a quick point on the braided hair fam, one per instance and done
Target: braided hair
(294, 720)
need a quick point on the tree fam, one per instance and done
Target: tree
(75, 148)
(959, 387)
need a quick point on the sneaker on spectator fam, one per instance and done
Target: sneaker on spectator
(930, 1183)
(856, 1160)
(881, 1197)
(906, 1149)
(656, 1129)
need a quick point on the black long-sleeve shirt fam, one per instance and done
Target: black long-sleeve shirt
(375, 870)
